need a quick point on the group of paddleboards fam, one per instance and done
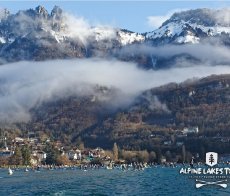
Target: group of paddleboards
(11, 172)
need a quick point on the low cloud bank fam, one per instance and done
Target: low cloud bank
(25, 85)
(206, 53)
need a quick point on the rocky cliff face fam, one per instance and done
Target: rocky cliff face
(35, 34)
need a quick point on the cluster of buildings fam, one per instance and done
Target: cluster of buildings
(38, 154)
(181, 134)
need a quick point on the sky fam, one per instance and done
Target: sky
(137, 16)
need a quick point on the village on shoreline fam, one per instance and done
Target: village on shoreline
(28, 152)
(34, 153)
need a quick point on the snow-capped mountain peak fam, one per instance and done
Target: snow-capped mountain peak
(128, 37)
(192, 25)
(60, 26)
(28, 33)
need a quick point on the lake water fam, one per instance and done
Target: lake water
(151, 181)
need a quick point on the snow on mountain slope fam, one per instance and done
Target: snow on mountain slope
(188, 39)
(177, 28)
(2, 40)
(60, 26)
(190, 26)
(130, 37)
(183, 27)
(35, 34)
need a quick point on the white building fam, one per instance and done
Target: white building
(74, 154)
(190, 130)
(18, 140)
(41, 155)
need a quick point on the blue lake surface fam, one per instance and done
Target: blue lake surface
(151, 181)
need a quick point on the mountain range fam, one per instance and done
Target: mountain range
(187, 39)
(35, 34)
